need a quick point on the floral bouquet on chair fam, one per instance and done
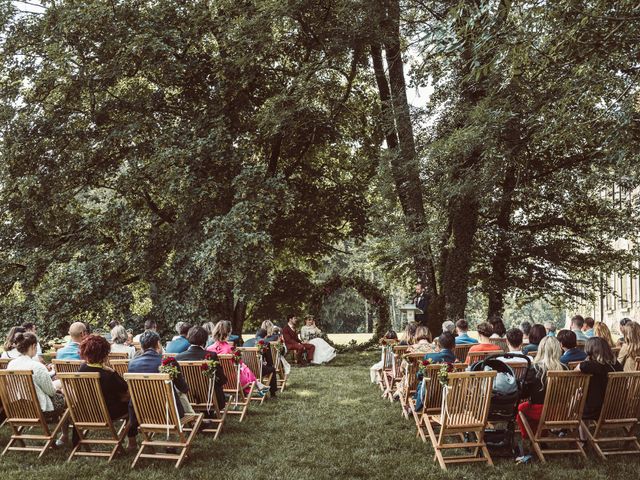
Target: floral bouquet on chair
(209, 366)
(443, 374)
(422, 366)
(170, 367)
(237, 356)
(280, 346)
(263, 347)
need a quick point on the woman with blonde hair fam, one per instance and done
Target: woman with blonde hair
(631, 347)
(221, 346)
(535, 388)
(601, 330)
(409, 334)
(268, 326)
(423, 341)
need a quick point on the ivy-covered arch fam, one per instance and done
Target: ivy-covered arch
(368, 290)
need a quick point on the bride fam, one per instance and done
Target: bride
(311, 334)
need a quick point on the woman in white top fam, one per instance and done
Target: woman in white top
(310, 333)
(50, 399)
(119, 338)
(9, 346)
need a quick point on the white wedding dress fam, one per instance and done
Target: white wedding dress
(324, 352)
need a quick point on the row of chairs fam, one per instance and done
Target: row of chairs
(460, 410)
(153, 401)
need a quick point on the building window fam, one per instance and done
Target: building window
(624, 291)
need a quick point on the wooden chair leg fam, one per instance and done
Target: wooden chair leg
(532, 439)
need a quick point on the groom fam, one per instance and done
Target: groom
(293, 342)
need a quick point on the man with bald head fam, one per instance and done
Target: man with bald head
(71, 351)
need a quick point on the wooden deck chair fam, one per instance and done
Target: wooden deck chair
(461, 351)
(252, 360)
(67, 366)
(479, 356)
(157, 414)
(282, 377)
(90, 414)
(394, 376)
(519, 369)
(620, 410)
(409, 382)
(4, 363)
(203, 399)
(563, 406)
(387, 358)
(120, 366)
(573, 365)
(239, 402)
(465, 407)
(501, 342)
(22, 408)
(432, 396)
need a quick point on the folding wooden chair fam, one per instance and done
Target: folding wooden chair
(120, 366)
(409, 382)
(432, 396)
(67, 366)
(563, 406)
(253, 360)
(277, 363)
(620, 410)
(239, 402)
(573, 365)
(157, 414)
(474, 357)
(22, 408)
(90, 414)
(202, 397)
(465, 408)
(4, 363)
(388, 366)
(461, 351)
(519, 369)
(393, 376)
(501, 342)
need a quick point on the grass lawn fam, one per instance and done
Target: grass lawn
(330, 424)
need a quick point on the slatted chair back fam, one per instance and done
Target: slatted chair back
(501, 342)
(120, 366)
(387, 358)
(202, 396)
(22, 408)
(89, 413)
(573, 365)
(277, 363)
(157, 413)
(410, 373)
(637, 363)
(461, 351)
(614, 431)
(433, 387)
(474, 357)
(564, 399)
(519, 369)
(399, 351)
(118, 356)
(533, 354)
(250, 359)
(4, 363)
(67, 366)
(239, 400)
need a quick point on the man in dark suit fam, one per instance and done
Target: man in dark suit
(149, 362)
(421, 302)
(197, 337)
(293, 342)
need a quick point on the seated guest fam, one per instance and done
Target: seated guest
(499, 330)
(631, 347)
(274, 334)
(50, 398)
(484, 345)
(623, 323)
(526, 329)
(221, 346)
(119, 338)
(94, 350)
(71, 351)
(423, 341)
(447, 343)
(10, 350)
(148, 325)
(149, 362)
(550, 327)
(208, 327)
(587, 329)
(577, 324)
(112, 324)
(179, 344)
(536, 334)
(535, 387)
(462, 327)
(261, 334)
(600, 361)
(293, 342)
(31, 328)
(197, 337)
(567, 339)
(514, 343)
(408, 337)
(375, 372)
(450, 327)
(601, 330)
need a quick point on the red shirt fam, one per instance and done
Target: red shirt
(483, 347)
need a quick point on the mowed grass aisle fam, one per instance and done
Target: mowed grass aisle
(330, 424)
